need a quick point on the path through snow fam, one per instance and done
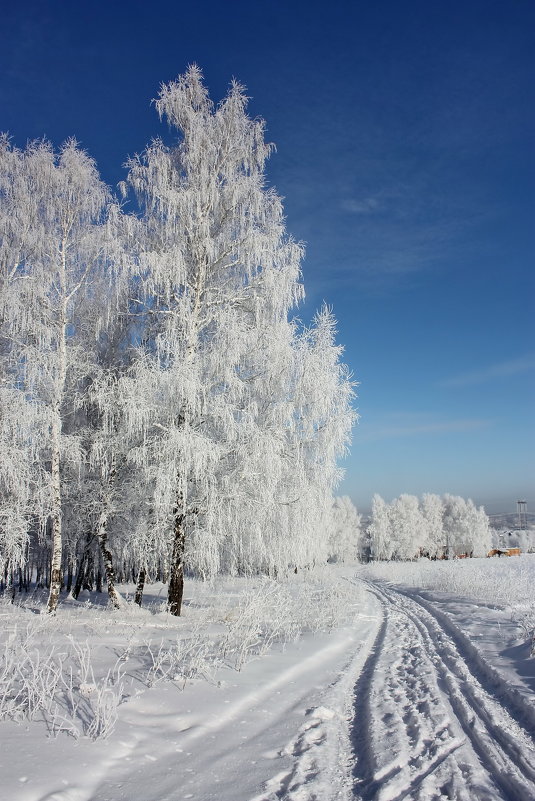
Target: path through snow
(398, 706)
(431, 719)
(278, 729)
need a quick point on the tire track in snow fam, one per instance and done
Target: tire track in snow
(510, 697)
(241, 748)
(429, 721)
(363, 718)
(321, 748)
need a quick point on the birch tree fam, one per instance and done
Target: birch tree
(56, 241)
(466, 527)
(214, 247)
(323, 417)
(483, 535)
(201, 428)
(433, 532)
(456, 524)
(23, 495)
(295, 425)
(344, 534)
(379, 530)
(407, 526)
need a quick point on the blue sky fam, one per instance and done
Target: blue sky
(404, 134)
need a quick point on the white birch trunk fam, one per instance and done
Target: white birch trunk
(57, 542)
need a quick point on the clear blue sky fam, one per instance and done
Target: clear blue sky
(405, 154)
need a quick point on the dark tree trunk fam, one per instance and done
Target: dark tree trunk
(102, 534)
(140, 586)
(70, 571)
(107, 558)
(82, 566)
(89, 573)
(176, 573)
(23, 583)
(79, 578)
(40, 568)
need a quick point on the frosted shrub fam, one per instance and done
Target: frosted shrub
(183, 660)
(524, 616)
(50, 676)
(159, 667)
(59, 686)
(29, 677)
(344, 531)
(94, 702)
(265, 614)
(274, 612)
(326, 604)
(197, 660)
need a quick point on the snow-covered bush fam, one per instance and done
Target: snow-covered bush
(266, 613)
(40, 680)
(185, 659)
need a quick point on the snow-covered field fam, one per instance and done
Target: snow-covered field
(385, 681)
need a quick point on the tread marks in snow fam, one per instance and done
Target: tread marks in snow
(425, 725)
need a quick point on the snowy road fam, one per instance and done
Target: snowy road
(399, 705)
(278, 729)
(431, 719)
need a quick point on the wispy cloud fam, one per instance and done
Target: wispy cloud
(366, 205)
(382, 210)
(419, 429)
(522, 364)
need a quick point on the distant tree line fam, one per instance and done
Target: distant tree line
(434, 526)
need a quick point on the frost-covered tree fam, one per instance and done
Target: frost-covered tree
(344, 530)
(379, 530)
(215, 264)
(108, 486)
(23, 495)
(297, 422)
(456, 524)
(474, 537)
(446, 526)
(323, 418)
(299, 418)
(407, 526)
(54, 241)
(257, 503)
(466, 526)
(432, 510)
(482, 539)
(192, 423)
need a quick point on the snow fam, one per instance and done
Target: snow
(408, 680)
